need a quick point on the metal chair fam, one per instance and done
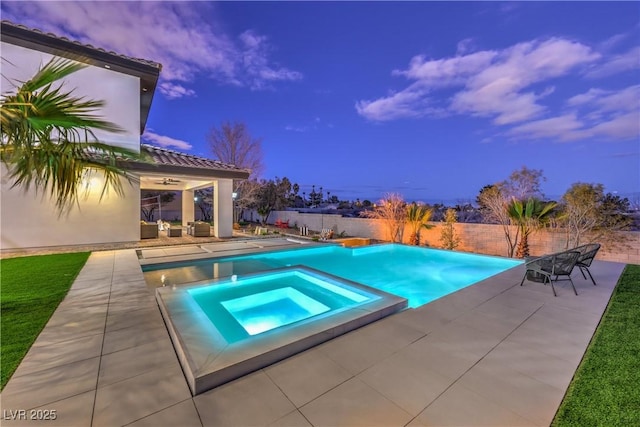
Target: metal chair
(587, 254)
(551, 267)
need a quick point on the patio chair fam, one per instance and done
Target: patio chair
(551, 267)
(587, 254)
(148, 231)
(326, 234)
(201, 229)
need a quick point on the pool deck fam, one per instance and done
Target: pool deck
(491, 354)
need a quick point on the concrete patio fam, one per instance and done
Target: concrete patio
(493, 354)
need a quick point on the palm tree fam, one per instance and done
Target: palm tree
(48, 140)
(417, 216)
(528, 216)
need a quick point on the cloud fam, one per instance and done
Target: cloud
(598, 113)
(173, 91)
(490, 83)
(617, 64)
(165, 141)
(184, 37)
(259, 73)
(512, 88)
(296, 128)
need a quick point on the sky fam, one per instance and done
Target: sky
(431, 100)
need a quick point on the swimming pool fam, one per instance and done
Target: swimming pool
(225, 328)
(418, 274)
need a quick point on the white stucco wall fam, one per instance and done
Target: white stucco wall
(120, 92)
(28, 220)
(223, 208)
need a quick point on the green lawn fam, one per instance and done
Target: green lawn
(606, 388)
(30, 290)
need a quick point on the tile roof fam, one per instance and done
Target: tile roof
(166, 157)
(88, 46)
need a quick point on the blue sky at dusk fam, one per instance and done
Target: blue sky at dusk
(432, 100)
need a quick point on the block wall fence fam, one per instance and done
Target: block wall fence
(478, 238)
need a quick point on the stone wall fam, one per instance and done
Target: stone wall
(478, 238)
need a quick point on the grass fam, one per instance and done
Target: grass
(30, 290)
(604, 390)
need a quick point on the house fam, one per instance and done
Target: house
(29, 220)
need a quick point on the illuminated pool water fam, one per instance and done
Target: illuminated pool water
(225, 328)
(418, 274)
(244, 307)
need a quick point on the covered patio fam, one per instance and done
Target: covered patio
(170, 170)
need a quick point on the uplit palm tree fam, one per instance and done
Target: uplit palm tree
(417, 216)
(48, 140)
(528, 216)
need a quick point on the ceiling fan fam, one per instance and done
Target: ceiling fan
(168, 181)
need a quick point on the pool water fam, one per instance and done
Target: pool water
(225, 328)
(249, 306)
(418, 274)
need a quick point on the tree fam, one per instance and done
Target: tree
(148, 209)
(589, 215)
(528, 217)
(204, 202)
(247, 192)
(418, 216)
(493, 206)
(494, 200)
(232, 143)
(448, 235)
(48, 139)
(524, 184)
(391, 211)
(272, 195)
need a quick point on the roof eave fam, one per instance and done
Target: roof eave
(183, 170)
(51, 44)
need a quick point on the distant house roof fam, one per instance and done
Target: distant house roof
(170, 161)
(147, 71)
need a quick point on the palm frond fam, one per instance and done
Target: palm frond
(48, 138)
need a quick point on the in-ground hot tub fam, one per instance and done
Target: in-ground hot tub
(226, 328)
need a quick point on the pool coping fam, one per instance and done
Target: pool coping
(209, 361)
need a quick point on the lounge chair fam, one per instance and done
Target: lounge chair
(587, 254)
(551, 267)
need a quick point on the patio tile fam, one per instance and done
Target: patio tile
(407, 381)
(559, 344)
(132, 336)
(137, 397)
(548, 369)
(293, 419)
(248, 401)
(40, 388)
(136, 360)
(46, 355)
(306, 376)
(526, 396)
(125, 319)
(452, 350)
(354, 403)
(84, 298)
(73, 411)
(360, 349)
(183, 414)
(459, 406)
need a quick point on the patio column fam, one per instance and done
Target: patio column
(188, 207)
(223, 208)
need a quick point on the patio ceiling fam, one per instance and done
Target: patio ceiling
(173, 182)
